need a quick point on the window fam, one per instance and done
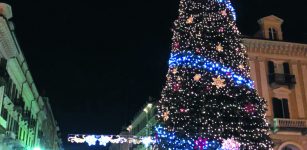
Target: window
(279, 67)
(290, 147)
(4, 113)
(281, 108)
(272, 34)
(271, 67)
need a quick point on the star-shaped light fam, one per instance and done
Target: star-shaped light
(219, 48)
(190, 20)
(224, 12)
(166, 115)
(174, 71)
(241, 66)
(197, 77)
(218, 82)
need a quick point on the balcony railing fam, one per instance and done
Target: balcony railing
(26, 116)
(289, 124)
(282, 79)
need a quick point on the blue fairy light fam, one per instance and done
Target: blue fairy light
(200, 62)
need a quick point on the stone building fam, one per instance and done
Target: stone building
(279, 70)
(23, 112)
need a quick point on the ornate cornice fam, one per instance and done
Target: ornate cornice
(275, 47)
(7, 43)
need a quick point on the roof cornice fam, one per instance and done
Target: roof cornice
(275, 47)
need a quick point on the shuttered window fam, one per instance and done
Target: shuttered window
(271, 67)
(286, 68)
(281, 108)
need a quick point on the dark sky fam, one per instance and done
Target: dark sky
(100, 60)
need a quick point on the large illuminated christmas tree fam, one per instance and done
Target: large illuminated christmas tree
(209, 101)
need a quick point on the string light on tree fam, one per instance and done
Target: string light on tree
(208, 102)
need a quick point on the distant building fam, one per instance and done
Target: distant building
(23, 112)
(279, 70)
(141, 126)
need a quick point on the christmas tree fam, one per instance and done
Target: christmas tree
(209, 101)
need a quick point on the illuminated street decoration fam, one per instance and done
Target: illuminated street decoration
(191, 60)
(103, 140)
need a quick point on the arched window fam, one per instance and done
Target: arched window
(290, 147)
(272, 34)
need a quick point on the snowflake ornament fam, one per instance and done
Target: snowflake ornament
(104, 140)
(91, 140)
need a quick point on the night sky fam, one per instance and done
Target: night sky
(99, 61)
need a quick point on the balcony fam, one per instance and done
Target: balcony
(281, 124)
(282, 79)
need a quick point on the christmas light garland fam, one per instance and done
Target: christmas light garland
(189, 59)
(103, 140)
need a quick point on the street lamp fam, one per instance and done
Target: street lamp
(37, 148)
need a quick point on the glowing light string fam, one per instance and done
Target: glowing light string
(230, 7)
(186, 143)
(191, 60)
(103, 140)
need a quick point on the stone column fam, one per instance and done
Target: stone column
(298, 91)
(265, 84)
(304, 71)
(253, 71)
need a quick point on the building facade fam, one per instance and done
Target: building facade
(23, 112)
(279, 70)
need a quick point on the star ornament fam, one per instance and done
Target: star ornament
(175, 71)
(219, 48)
(197, 77)
(166, 116)
(241, 66)
(190, 20)
(224, 12)
(218, 82)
